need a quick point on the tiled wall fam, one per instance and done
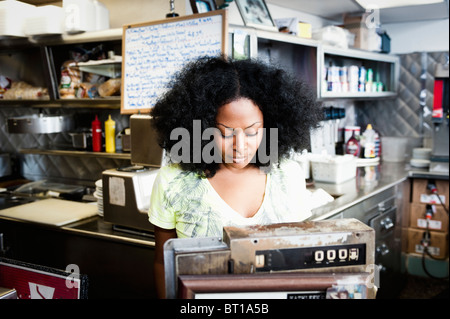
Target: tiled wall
(409, 114)
(36, 167)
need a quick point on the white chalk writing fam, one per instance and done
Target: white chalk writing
(153, 53)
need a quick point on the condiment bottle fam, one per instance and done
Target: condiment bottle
(369, 142)
(352, 146)
(110, 135)
(96, 135)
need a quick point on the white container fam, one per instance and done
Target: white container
(45, 20)
(12, 23)
(101, 16)
(79, 16)
(393, 149)
(85, 15)
(333, 169)
(332, 35)
(421, 153)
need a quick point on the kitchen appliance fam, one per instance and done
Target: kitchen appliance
(126, 197)
(82, 139)
(40, 124)
(439, 161)
(307, 252)
(127, 190)
(47, 188)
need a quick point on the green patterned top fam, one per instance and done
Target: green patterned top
(183, 201)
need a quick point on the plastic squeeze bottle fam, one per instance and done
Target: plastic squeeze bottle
(352, 146)
(369, 142)
(96, 135)
(110, 135)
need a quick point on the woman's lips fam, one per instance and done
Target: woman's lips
(238, 160)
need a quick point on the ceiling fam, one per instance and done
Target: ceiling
(334, 10)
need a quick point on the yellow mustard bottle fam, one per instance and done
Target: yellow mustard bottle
(110, 135)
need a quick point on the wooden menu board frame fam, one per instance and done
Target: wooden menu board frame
(167, 45)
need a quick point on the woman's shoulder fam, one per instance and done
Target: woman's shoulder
(170, 170)
(173, 174)
(287, 172)
(288, 166)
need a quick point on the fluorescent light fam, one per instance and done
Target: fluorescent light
(382, 4)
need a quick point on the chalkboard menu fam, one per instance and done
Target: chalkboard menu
(154, 51)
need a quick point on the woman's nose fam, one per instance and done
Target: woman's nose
(239, 140)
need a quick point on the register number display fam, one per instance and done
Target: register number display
(310, 257)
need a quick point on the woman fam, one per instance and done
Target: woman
(238, 121)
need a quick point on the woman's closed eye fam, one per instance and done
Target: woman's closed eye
(230, 132)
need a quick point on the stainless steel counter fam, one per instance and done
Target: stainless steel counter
(370, 180)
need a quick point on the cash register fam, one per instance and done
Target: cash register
(325, 259)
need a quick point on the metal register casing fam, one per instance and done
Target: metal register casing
(314, 247)
(345, 245)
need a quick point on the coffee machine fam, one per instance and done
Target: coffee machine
(439, 160)
(127, 190)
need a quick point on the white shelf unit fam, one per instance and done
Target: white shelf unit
(385, 67)
(307, 57)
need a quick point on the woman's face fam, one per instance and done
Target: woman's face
(241, 130)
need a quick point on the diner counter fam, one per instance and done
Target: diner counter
(369, 181)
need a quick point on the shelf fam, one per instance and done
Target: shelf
(360, 54)
(385, 69)
(276, 36)
(107, 103)
(110, 103)
(37, 151)
(48, 40)
(358, 95)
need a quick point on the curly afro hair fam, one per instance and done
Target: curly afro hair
(204, 85)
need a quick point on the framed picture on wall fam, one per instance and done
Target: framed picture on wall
(256, 14)
(201, 6)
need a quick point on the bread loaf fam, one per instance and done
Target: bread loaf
(109, 88)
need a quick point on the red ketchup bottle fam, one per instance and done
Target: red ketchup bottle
(96, 135)
(353, 146)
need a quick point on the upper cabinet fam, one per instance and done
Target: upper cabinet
(333, 73)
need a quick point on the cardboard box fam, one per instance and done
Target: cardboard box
(304, 30)
(438, 247)
(365, 38)
(438, 222)
(423, 195)
(293, 26)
